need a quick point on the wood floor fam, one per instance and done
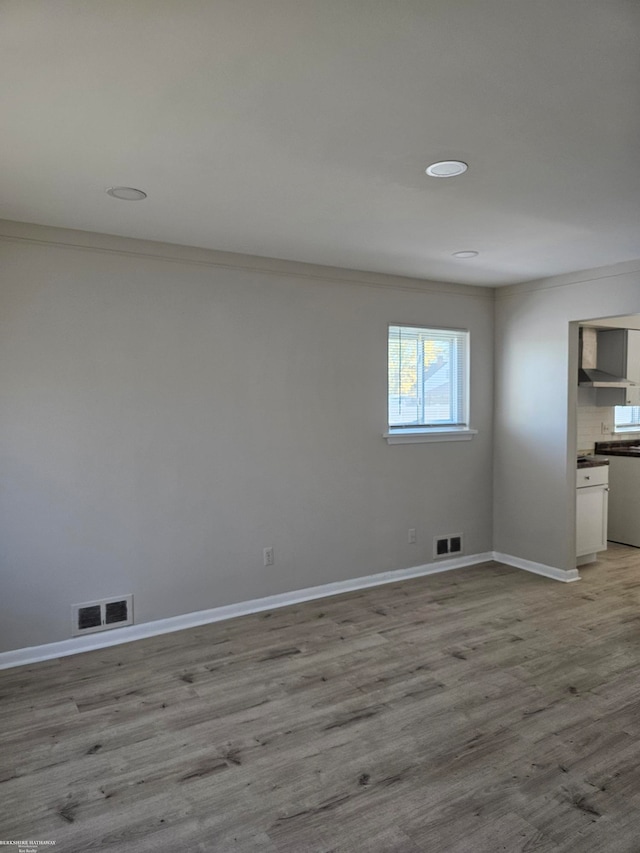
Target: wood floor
(484, 709)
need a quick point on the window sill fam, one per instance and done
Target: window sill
(420, 436)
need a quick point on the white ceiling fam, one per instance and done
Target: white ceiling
(301, 129)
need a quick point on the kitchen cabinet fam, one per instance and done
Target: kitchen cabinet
(619, 354)
(592, 502)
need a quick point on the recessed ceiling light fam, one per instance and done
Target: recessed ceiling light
(126, 193)
(446, 169)
(468, 254)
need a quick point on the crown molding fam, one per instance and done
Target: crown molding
(45, 235)
(572, 279)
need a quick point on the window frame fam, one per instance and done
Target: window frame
(633, 427)
(419, 433)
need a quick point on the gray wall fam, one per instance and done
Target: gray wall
(167, 413)
(535, 405)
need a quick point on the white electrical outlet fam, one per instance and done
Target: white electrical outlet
(412, 536)
(268, 556)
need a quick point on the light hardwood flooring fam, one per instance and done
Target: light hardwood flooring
(484, 709)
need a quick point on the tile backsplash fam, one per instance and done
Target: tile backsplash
(595, 423)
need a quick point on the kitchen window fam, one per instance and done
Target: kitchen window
(428, 385)
(626, 419)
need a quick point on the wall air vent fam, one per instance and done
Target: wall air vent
(447, 546)
(455, 545)
(93, 616)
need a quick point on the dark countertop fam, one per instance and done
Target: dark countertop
(592, 461)
(619, 448)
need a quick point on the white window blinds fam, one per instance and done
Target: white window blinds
(627, 419)
(428, 377)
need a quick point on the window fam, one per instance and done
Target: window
(626, 419)
(428, 384)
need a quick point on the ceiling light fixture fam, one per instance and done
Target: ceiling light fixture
(446, 169)
(468, 254)
(126, 193)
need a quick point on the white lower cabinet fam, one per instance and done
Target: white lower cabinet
(592, 500)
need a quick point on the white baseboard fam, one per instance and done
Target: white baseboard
(566, 576)
(35, 654)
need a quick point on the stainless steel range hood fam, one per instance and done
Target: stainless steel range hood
(590, 375)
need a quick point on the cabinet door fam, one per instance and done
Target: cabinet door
(612, 351)
(618, 396)
(633, 355)
(591, 520)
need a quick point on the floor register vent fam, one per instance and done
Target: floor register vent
(93, 616)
